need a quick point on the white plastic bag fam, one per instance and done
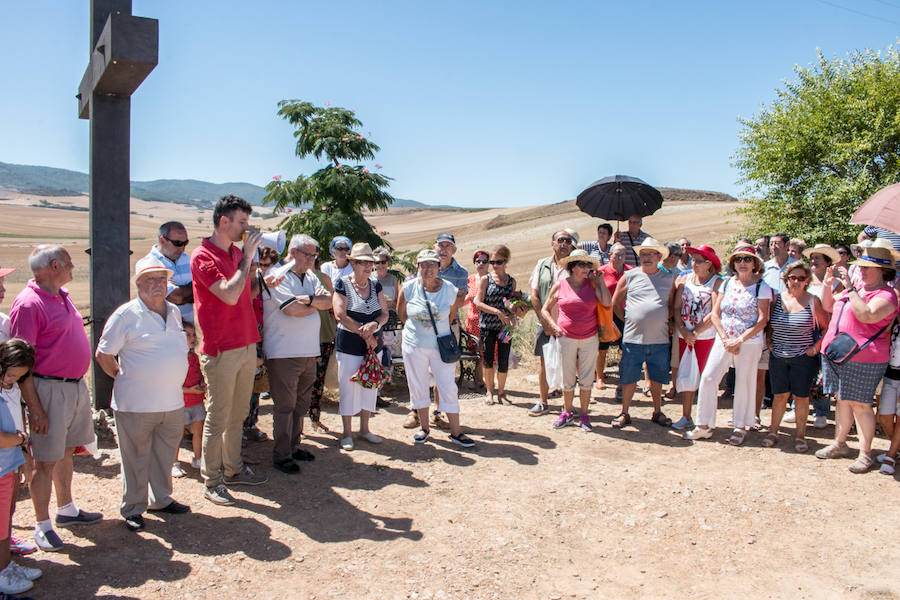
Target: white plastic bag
(553, 363)
(688, 372)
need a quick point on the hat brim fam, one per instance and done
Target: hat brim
(710, 256)
(664, 252)
(419, 261)
(6, 271)
(363, 258)
(758, 260)
(589, 259)
(168, 272)
(829, 252)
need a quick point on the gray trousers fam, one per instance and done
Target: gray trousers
(290, 383)
(148, 443)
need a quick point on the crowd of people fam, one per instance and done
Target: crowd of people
(210, 332)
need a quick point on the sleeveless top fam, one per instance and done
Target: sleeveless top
(494, 297)
(362, 310)
(647, 307)
(738, 308)
(388, 287)
(696, 303)
(792, 333)
(577, 311)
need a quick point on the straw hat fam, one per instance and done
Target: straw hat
(863, 244)
(651, 244)
(579, 256)
(744, 250)
(825, 250)
(427, 255)
(150, 264)
(880, 254)
(708, 253)
(362, 251)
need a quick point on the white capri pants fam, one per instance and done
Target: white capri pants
(578, 360)
(353, 397)
(420, 365)
(745, 366)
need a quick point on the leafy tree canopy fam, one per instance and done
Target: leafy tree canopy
(330, 201)
(829, 140)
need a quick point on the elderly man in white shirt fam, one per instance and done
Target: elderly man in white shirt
(143, 347)
(291, 347)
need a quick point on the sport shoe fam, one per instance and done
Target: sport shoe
(177, 471)
(412, 420)
(462, 440)
(219, 495)
(26, 572)
(421, 436)
(21, 547)
(371, 438)
(698, 433)
(862, 464)
(585, 423)
(833, 451)
(537, 410)
(13, 583)
(195, 463)
(683, 423)
(790, 417)
(820, 422)
(563, 420)
(82, 518)
(246, 477)
(347, 444)
(48, 541)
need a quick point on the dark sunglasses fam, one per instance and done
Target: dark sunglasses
(265, 265)
(481, 261)
(176, 243)
(342, 248)
(497, 262)
(564, 240)
(800, 278)
(738, 259)
(582, 263)
(843, 252)
(381, 262)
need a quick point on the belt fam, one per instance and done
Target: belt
(55, 378)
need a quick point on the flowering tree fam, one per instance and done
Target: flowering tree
(331, 200)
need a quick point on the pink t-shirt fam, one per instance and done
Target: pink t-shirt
(224, 327)
(52, 324)
(880, 349)
(577, 312)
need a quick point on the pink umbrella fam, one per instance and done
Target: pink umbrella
(881, 210)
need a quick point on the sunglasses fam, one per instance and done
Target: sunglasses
(738, 259)
(564, 240)
(800, 278)
(342, 248)
(481, 261)
(497, 262)
(581, 263)
(265, 265)
(381, 262)
(843, 252)
(176, 243)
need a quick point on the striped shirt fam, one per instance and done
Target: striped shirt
(181, 275)
(884, 234)
(792, 333)
(631, 242)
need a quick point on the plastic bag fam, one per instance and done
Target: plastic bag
(605, 324)
(688, 372)
(553, 363)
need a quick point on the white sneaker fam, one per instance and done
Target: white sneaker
(698, 433)
(790, 417)
(27, 572)
(13, 583)
(820, 422)
(195, 463)
(177, 471)
(347, 444)
(371, 437)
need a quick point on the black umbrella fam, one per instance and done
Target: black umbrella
(617, 198)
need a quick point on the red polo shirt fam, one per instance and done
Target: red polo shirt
(611, 277)
(223, 327)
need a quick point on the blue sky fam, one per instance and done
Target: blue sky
(474, 103)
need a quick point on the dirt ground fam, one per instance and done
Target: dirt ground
(530, 512)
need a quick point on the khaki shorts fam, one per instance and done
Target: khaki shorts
(68, 408)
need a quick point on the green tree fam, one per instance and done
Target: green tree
(829, 140)
(330, 201)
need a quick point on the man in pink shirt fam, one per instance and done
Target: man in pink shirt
(56, 395)
(222, 300)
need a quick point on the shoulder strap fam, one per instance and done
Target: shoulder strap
(757, 289)
(430, 314)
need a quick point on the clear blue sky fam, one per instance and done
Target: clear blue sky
(473, 103)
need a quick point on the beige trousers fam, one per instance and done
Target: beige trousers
(148, 443)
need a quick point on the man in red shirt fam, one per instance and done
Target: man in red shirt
(222, 299)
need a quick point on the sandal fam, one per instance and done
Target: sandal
(800, 445)
(502, 399)
(862, 464)
(489, 399)
(757, 424)
(621, 421)
(660, 419)
(737, 437)
(887, 464)
(770, 440)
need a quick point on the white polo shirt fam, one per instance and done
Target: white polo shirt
(285, 336)
(152, 358)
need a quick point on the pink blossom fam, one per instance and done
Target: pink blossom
(383, 232)
(344, 139)
(377, 166)
(324, 208)
(365, 170)
(276, 177)
(290, 210)
(359, 137)
(328, 104)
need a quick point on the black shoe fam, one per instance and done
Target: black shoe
(286, 466)
(381, 402)
(134, 523)
(301, 454)
(172, 508)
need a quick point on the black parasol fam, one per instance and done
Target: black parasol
(618, 197)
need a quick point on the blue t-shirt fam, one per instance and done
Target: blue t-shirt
(10, 458)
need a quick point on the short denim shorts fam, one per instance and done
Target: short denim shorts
(635, 355)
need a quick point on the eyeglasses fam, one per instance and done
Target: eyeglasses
(381, 262)
(481, 261)
(497, 262)
(800, 278)
(581, 263)
(309, 254)
(843, 252)
(265, 265)
(342, 248)
(565, 240)
(738, 259)
(176, 243)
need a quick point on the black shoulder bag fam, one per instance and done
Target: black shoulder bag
(447, 344)
(843, 347)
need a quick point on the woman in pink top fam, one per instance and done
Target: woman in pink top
(577, 296)
(865, 313)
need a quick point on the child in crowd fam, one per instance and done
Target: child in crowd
(16, 362)
(194, 389)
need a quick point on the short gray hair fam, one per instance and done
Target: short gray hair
(382, 251)
(301, 239)
(43, 255)
(616, 246)
(674, 248)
